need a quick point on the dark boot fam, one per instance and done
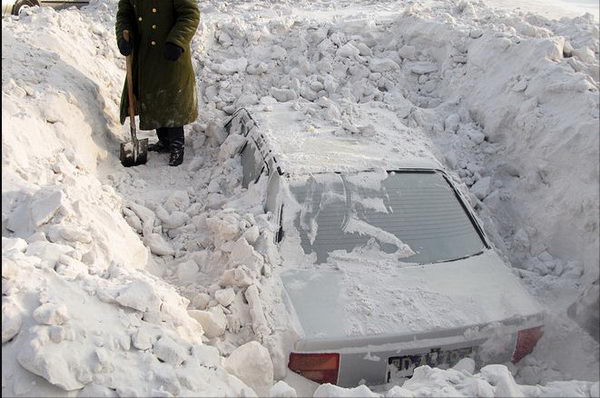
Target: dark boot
(163, 145)
(177, 140)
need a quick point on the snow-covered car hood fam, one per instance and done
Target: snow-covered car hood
(370, 297)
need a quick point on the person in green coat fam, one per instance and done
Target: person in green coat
(163, 76)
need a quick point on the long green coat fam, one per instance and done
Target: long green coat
(165, 90)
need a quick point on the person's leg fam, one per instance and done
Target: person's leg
(163, 141)
(177, 141)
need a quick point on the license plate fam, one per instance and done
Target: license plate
(404, 366)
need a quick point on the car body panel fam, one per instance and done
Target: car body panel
(471, 302)
(474, 291)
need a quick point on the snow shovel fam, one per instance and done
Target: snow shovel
(135, 152)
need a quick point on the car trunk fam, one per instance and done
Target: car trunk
(371, 306)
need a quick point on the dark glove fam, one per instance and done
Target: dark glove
(125, 47)
(172, 51)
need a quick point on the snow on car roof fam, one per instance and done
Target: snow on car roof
(311, 138)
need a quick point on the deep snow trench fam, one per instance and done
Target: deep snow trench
(156, 280)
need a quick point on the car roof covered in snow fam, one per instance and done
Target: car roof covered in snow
(314, 138)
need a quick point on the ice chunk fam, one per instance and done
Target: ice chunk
(231, 66)
(252, 234)
(45, 207)
(329, 390)
(347, 51)
(52, 366)
(383, 65)
(283, 94)
(140, 296)
(482, 188)
(243, 253)
(187, 271)
(94, 390)
(158, 245)
(144, 337)
(408, 52)
(196, 163)
(399, 392)
(423, 68)
(465, 364)
(13, 244)
(176, 220)
(240, 277)
(451, 123)
(259, 322)
(71, 234)
(283, 390)
(225, 296)
(252, 364)
(500, 376)
(213, 321)
(200, 301)
(51, 314)
(50, 252)
(167, 350)
(11, 321)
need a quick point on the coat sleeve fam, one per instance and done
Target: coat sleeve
(186, 23)
(125, 18)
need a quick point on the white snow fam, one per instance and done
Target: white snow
(152, 280)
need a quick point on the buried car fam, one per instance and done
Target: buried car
(385, 265)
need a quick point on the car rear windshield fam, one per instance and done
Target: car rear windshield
(389, 210)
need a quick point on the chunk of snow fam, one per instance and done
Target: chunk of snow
(465, 364)
(13, 244)
(500, 377)
(252, 364)
(140, 296)
(259, 322)
(451, 123)
(11, 321)
(231, 66)
(51, 314)
(347, 51)
(329, 390)
(282, 390)
(200, 301)
(46, 206)
(158, 245)
(213, 322)
(187, 271)
(167, 350)
(251, 235)
(422, 68)
(53, 367)
(50, 252)
(408, 52)
(482, 188)
(383, 65)
(283, 94)
(225, 296)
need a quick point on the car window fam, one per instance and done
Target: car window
(418, 209)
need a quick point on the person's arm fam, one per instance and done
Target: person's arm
(188, 18)
(125, 19)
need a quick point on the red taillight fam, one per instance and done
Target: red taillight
(322, 368)
(526, 341)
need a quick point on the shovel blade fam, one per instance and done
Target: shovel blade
(132, 156)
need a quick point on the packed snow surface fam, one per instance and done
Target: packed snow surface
(161, 281)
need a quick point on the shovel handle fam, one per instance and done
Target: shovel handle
(131, 97)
